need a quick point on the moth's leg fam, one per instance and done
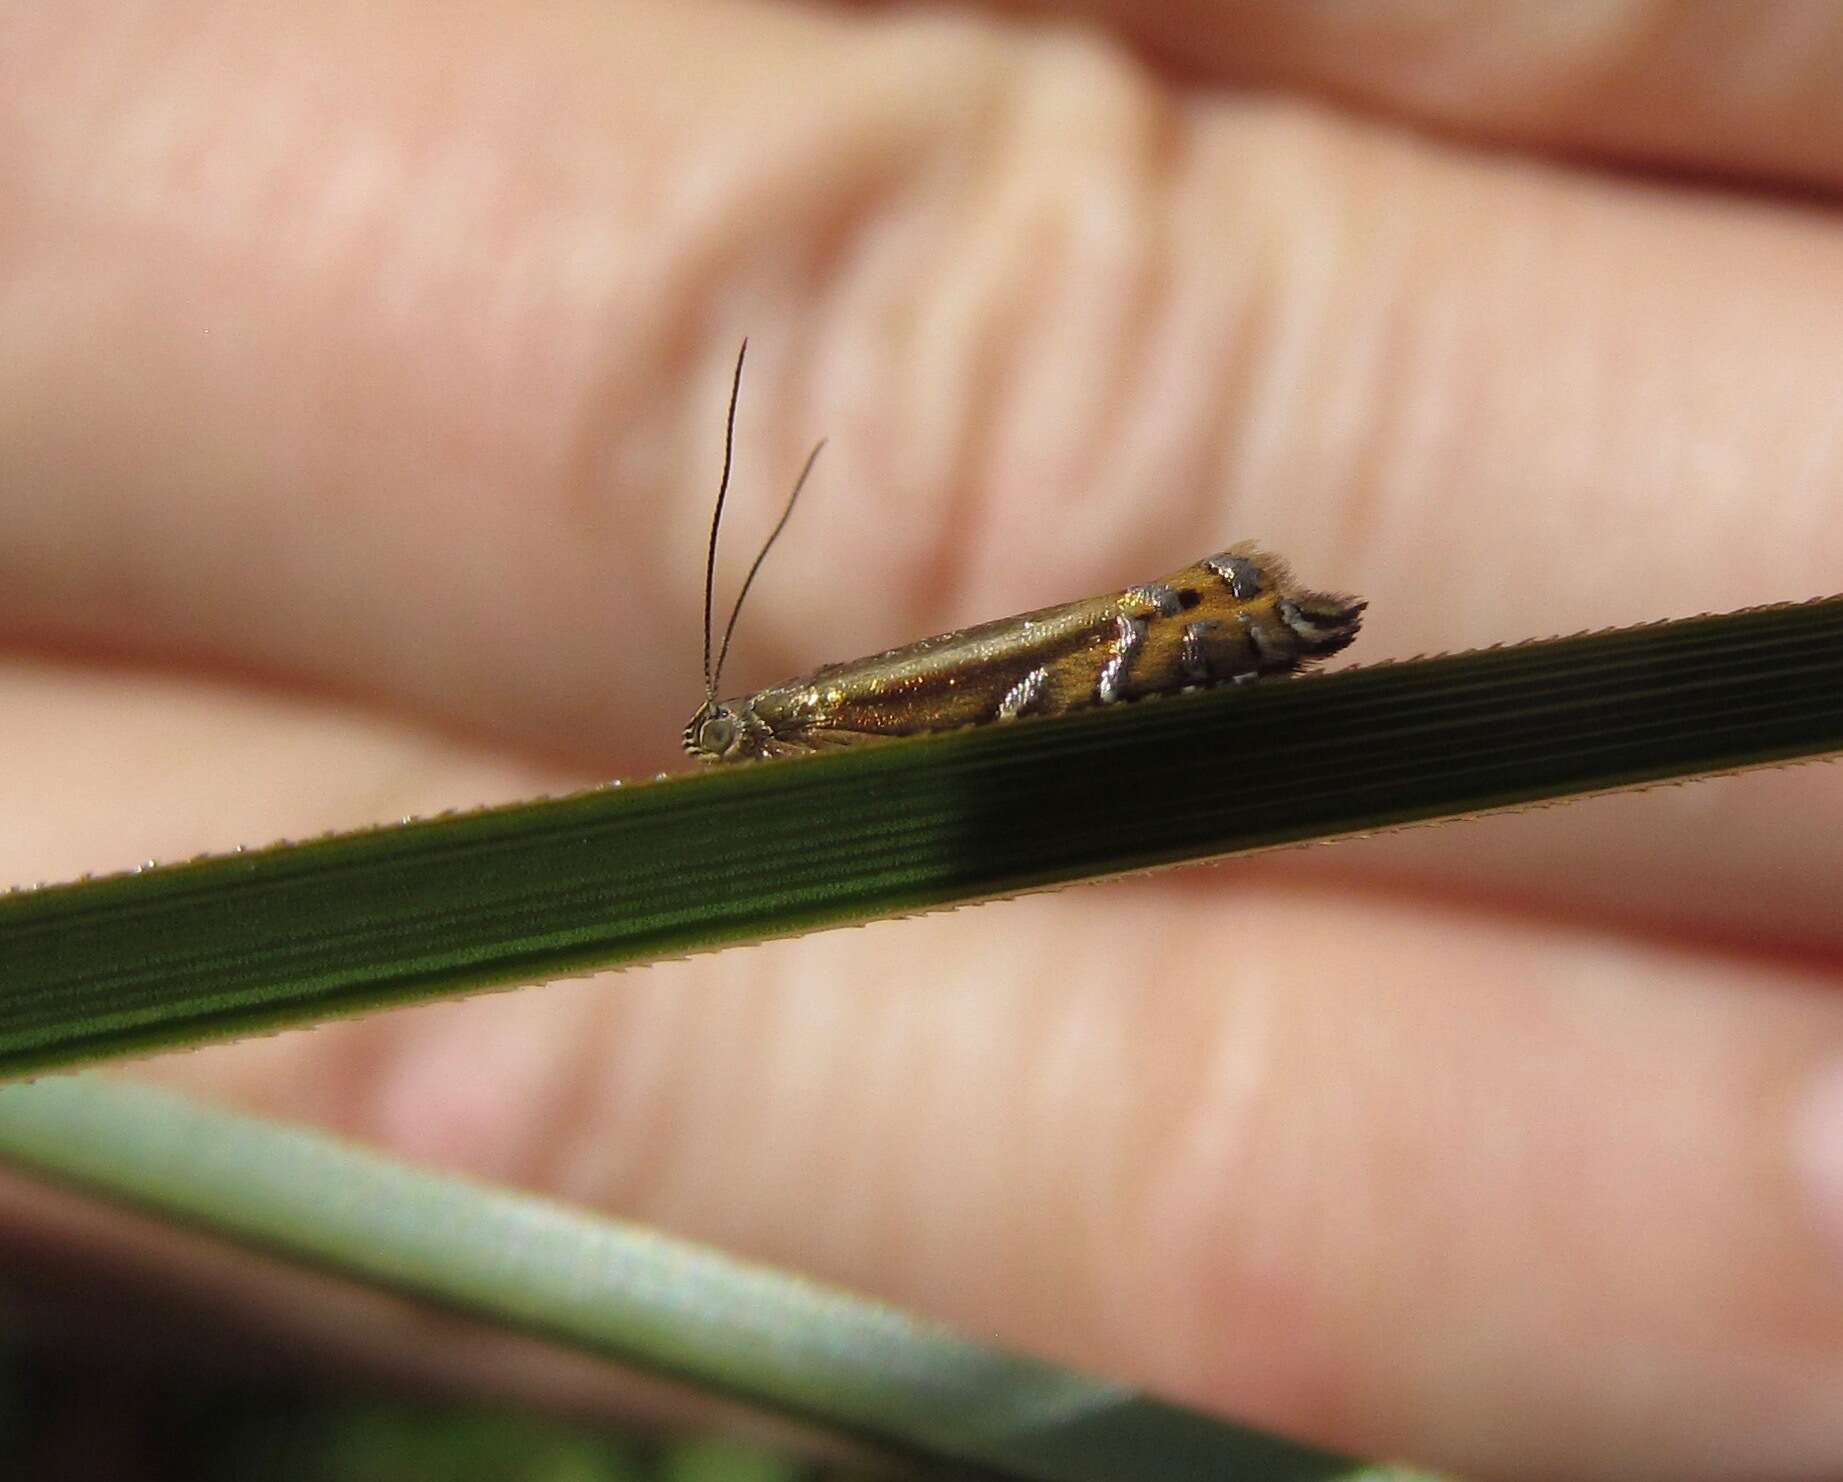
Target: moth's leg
(826, 738)
(780, 747)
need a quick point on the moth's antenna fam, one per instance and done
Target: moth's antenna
(767, 545)
(716, 520)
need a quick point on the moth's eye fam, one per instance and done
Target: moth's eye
(717, 733)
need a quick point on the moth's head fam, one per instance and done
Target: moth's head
(729, 730)
(717, 733)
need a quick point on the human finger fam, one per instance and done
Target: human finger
(1557, 1208)
(376, 401)
(1706, 88)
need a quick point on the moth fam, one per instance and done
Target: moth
(1230, 618)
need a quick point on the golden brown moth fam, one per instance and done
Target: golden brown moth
(1229, 618)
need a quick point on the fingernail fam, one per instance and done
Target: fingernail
(1817, 1148)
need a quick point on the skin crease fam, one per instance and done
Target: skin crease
(361, 382)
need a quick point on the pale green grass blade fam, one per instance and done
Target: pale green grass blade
(221, 947)
(626, 1293)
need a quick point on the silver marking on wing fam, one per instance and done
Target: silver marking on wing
(1194, 656)
(1023, 695)
(1242, 573)
(1157, 595)
(1129, 639)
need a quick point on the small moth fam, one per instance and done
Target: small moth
(1230, 618)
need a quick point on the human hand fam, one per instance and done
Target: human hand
(361, 380)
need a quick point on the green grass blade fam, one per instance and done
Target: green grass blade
(621, 875)
(625, 1293)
